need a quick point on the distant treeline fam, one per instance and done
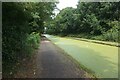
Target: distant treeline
(92, 20)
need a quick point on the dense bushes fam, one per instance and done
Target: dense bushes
(14, 32)
(111, 35)
(93, 20)
(22, 23)
(22, 49)
(32, 43)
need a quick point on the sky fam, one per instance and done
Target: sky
(66, 3)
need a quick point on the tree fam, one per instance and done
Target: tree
(93, 19)
(20, 22)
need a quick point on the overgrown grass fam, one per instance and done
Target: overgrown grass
(111, 35)
(108, 36)
(82, 35)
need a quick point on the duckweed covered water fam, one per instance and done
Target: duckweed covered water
(99, 58)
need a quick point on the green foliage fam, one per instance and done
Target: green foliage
(41, 12)
(89, 20)
(111, 35)
(22, 23)
(32, 43)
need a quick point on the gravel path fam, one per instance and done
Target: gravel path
(52, 63)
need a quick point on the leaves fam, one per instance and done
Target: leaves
(92, 18)
(22, 23)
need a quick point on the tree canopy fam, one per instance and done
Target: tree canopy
(21, 24)
(95, 20)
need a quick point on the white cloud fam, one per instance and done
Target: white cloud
(66, 3)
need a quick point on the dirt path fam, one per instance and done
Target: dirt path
(51, 63)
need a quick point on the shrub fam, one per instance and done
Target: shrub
(32, 42)
(22, 48)
(111, 35)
